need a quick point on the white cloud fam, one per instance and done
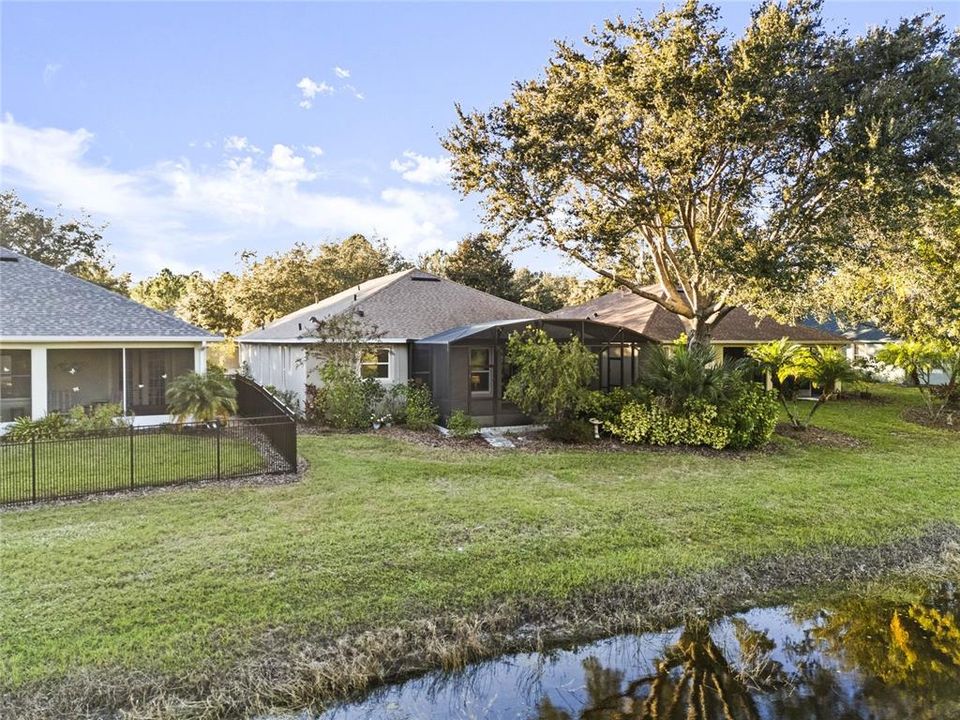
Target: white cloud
(50, 71)
(422, 169)
(309, 89)
(314, 150)
(287, 168)
(238, 143)
(341, 73)
(185, 216)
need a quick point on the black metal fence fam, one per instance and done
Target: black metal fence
(255, 404)
(137, 457)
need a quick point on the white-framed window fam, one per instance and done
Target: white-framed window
(481, 371)
(375, 363)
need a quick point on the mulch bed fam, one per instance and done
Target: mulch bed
(819, 436)
(536, 441)
(949, 419)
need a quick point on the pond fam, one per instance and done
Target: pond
(852, 658)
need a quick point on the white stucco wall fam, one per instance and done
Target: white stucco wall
(291, 368)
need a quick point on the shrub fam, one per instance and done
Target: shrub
(606, 406)
(570, 430)
(745, 419)
(751, 414)
(341, 401)
(462, 425)
(421, 413)
(204, 398)
(681, 372)
(100, 419)
(48, 427)
(550, 379)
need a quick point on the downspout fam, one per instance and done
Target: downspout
(496, 375)
(123, 365)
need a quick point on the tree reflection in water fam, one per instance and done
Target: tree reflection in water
(693, 681)
(859, 658)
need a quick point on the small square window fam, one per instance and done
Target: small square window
(375, 364)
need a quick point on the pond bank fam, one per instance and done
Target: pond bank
(279, 672)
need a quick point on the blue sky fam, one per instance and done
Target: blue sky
(197, 130)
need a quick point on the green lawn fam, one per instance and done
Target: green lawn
(80, 465)
(382, 530)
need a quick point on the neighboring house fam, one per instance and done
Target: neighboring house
(865, 339)
(731, 337)
(66, 342)
(447, 335)
(399, 308)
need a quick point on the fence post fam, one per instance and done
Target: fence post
(131, 456)
(33, 469)
(219, 431)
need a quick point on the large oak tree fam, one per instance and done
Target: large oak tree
(74, 245)
(736, 166)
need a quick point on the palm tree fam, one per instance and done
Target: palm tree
(825, 368)
(205, 398)
(682, 372)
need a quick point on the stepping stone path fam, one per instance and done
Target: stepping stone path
(496, 438)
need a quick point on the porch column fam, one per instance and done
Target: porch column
(38, 382)
(200, 359)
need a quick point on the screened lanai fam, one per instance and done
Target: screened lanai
(466, 367)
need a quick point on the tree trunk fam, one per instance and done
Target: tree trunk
(698, 331)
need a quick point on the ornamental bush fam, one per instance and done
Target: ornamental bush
(340, 400)
(550, 380)
(421, 413)
(744, 421)
(462, 425)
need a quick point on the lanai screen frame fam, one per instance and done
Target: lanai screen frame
(597, 336)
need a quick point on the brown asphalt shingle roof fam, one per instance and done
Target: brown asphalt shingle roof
(408, 305)
(647, 317)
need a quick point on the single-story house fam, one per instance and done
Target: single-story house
(428, 328)
(66, 342)
(731, 337)
(865, 339)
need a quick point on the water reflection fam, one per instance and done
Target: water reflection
(853, 659)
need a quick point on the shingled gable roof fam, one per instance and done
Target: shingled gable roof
(622, 307)
(38, 302)
(408, 305)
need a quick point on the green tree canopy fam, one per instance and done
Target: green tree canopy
(74, 245)
(479, 262)
(208, 304)
(736, 166)
(906, 281)
(161, 291)
(280, 283)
